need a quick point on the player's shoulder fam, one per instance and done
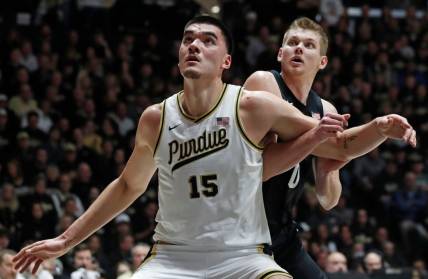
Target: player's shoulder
(263, 81)
(256, 99)
(150, 126)
(152, 114)
(259, 77)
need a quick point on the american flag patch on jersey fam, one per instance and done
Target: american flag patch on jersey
(222, 121)
(316, 115)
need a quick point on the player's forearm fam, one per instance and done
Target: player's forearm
(353, 143)
(328, 188)
(114, 199)
(280, 157)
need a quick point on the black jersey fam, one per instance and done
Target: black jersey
(282, 192)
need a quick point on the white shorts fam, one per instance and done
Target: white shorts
(184, 262)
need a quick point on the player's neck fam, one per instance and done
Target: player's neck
(300, 86)
(200, 96)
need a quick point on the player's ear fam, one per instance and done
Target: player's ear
(279, 56)
(324, 62)
(227, 61)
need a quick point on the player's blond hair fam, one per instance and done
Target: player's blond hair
(309, 24)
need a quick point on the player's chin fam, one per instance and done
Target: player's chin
(191, 73)
(295, 70)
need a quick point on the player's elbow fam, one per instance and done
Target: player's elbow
(328, 203)
(126, 186)
(342, 155)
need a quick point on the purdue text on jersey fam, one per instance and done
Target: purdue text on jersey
(196, 148)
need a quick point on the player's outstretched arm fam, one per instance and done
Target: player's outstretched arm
(354, 142)
(360, 140)
(280, 157)
(118, 195)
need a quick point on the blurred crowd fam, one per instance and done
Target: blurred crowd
(75, 79)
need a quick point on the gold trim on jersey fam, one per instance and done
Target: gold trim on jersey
(161, 127)
(270, 273)
(241, 127)
(196, 120)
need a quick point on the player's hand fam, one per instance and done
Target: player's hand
(39, 251)
(395, 126)
(331, 125)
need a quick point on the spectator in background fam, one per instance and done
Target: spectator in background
(6, 265)
(123, 121)
(409, 209)
(39, 194)
(123, 253)
(95, 245)
(37, 225)
(83, 181)
(392, 257)
(60, 195)
(29, 60)
(9, 206)
(14, 174)
(367, 168)
(144, 227)
(7, 135)
(83, 264)
(24, 102)
(5, 239)
(362, 228)
(331, 11)
(336, 263)
(373, 262)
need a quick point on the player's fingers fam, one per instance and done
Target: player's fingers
(410, 136)
(38, 248)
(36, 266)
(20, 266)
(20, 262)
(399, 120)
(25, 251)
(331, 121)
(27, 263)
(407, 135)
(339, 117)
(413, 140)
(332, 128)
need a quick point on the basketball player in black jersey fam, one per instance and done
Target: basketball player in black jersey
(302, 55)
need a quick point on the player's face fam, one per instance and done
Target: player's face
(300, 53)
(203, 52)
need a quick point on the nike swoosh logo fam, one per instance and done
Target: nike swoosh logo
(173, 127)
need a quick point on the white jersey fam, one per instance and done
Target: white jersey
(210, 177)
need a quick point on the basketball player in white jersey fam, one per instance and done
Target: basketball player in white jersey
(206, 143)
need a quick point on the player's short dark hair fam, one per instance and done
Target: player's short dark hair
(216, 22)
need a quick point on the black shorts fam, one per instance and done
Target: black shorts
(289, 254)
